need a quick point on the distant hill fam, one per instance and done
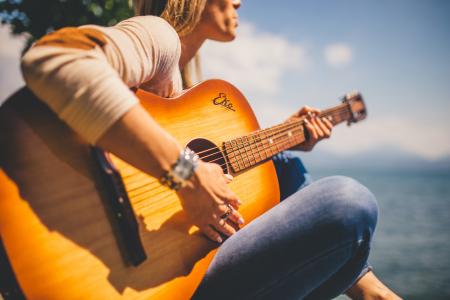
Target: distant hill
(380, 159)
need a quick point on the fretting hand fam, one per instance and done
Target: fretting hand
(317, 128)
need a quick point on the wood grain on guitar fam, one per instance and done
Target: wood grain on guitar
(53, 221)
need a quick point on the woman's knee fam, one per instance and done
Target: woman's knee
(353, 206)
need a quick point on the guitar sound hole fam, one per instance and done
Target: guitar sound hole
(208, 152)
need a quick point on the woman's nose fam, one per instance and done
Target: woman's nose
(236, 3)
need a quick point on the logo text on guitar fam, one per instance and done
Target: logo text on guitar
(224, 101)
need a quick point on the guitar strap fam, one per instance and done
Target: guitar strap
(9, 287)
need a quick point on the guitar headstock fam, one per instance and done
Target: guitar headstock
(356, 106)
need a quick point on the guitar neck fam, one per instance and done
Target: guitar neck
(247, 151)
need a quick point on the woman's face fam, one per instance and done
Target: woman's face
(219, 20)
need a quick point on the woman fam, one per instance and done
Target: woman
(313, 245)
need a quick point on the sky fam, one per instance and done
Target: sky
(396, 53)
(293, 53)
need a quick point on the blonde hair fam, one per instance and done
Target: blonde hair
(183, 16)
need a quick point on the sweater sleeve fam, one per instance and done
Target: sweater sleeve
(84, 74)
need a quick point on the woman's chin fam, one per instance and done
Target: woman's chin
(225, 37)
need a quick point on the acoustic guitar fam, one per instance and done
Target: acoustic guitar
(79, 223)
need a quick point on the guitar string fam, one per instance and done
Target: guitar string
(253, 141)
(284, 140)
(130, 181)
(250, 143)
(250, 140)
(298, 122)
(149, 188)
(282, 131)
(263, 145)
(220, 152)
(163, 190)
(288, 123)
(156, 184)
(142, 203)
(156, 189)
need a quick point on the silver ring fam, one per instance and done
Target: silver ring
(228, 213)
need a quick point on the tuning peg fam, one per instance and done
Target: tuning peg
(352, 94)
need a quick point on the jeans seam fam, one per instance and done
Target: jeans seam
(275, 283)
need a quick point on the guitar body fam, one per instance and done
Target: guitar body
(53, 221)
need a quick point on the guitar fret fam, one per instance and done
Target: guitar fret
(261, 151)
(245, 150)
(252, 147)
(247, 154)
(272, 142)
(255, 142)
(242, 152)
(249, 146)
(284, 143)
(266, 144)
(299, 137)
(260, 146)
(229, 149)
(249, 150)
(338, 114)
(231, 156)
(277, 144)
(235, 148)
(239, 155)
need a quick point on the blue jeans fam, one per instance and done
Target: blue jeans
(313, 245)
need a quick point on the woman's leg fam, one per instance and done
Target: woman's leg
(292, 174)
(321, 232)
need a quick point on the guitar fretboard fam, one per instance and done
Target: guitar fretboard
(247, 151)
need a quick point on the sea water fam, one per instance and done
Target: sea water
(411, 247)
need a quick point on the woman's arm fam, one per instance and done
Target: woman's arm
(71, 73)
(139, 140)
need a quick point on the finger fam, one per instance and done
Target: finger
(328, 123)
(211, 234)
(236, 218)
(234, 201)
(222, 226)
(223, 210)
(302, 111)
(234, 225)
(218, 169)
(312, 115)
(228, 196)
(228, 215)
(316, 125)
(220, 209)
(307, 109)
(323, 127)
(228, 178)
(315, 111)
(214, 170)
(311, 130)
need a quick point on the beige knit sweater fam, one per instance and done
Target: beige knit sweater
(85, 74)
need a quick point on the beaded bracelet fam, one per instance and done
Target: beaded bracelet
(182, 170)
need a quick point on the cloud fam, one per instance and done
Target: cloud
(255, 61)
(10, 50)
(338, 55)
(428, 141)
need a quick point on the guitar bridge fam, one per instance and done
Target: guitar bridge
(121, 211)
